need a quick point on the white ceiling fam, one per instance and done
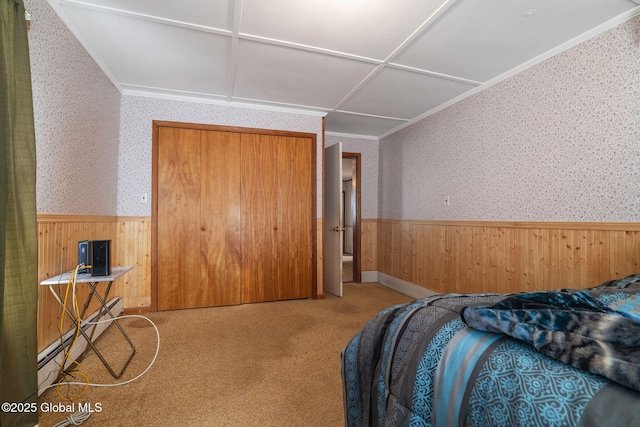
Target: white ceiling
(371, 66)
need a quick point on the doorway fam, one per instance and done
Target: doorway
(351, 271)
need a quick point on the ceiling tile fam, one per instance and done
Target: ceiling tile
(140, 52)
(216, 14)
(294, 76)
(480, 40)
(403, 94)
(368, 28)
(376, 58)
(339, 122)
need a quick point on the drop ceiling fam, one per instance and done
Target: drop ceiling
(370, 66)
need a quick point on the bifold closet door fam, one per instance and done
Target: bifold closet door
(198, 218)
(277, 232)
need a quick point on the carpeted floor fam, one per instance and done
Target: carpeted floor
(269, 364)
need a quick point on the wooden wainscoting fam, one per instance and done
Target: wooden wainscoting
(319, 258)
(452, 256)
(134, 248)
(58, 237)
(369, 244)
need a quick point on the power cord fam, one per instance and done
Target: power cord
(80, 417)
(74, 419)
(155, 356)
(63, 374)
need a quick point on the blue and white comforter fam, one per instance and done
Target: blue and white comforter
(419, 364)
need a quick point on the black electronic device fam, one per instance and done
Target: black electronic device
(100, 256)
(95, 254)
(83, 256)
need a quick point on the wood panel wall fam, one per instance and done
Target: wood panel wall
(443, 256)
(320, 258)
(369, 244)
(58, 237)
(447, 256)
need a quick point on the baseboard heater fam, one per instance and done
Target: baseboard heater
(49, 359)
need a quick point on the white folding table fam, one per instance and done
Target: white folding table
(93, 282)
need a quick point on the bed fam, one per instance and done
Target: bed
(554, 358)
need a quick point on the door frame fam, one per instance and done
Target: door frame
(357, 240)
(157, 124)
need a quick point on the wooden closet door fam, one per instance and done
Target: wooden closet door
(259, 218)
(295, 205)
(220, 218)
(178, 212)
(198, 218)
(276, 218)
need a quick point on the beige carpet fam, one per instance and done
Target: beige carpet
(269, 364)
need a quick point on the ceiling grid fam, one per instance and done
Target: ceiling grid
(370, 66)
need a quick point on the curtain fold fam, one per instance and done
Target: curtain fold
(18, 228)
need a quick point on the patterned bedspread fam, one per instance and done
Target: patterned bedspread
(419, 364)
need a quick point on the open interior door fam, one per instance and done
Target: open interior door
(333, 227)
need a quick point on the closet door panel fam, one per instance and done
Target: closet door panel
(235, 216)
(259, 218)
(220, 219)
(295, 199)
(178, 217)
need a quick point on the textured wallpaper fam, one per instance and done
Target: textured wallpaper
(369, 173)
(138, 113)
(94, 145)
(559, 141)
(77, 113)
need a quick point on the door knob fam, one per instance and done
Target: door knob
(338, 229)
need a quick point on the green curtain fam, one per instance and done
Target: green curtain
(18, 232)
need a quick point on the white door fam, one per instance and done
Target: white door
(333, 228)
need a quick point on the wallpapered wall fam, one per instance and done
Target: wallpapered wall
(94, 145)
(369, 170)
(77, 114)
(138, 113)
(559, 141)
